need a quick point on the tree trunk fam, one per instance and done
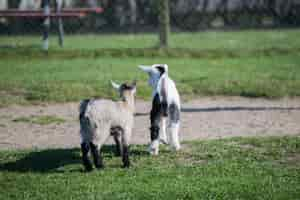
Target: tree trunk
(164, 22)
(133, 11)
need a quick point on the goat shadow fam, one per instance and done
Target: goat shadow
(52, 160)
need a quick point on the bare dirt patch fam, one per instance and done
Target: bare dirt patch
(203, 118)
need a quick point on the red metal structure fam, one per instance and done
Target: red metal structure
(46, 14)
(70, 12)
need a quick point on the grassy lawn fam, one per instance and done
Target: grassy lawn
(61, 80)
(247, 63)
(238, 168)
(250, 39)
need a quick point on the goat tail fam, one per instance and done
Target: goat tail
(82, 108)
(85, 124)
(163, 94)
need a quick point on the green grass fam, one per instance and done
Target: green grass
(250, 39)
(238, 168)
(56, 80)
(246, 63)
(195, 45)
(41, 120)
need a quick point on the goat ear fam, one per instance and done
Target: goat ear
(166, 68)
(134, 85)
(115, 85)
(146, 68)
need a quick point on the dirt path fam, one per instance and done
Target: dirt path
(203, 118)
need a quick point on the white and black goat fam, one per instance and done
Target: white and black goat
(165, 105)
(100, 118)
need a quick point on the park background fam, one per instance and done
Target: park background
(236, 65)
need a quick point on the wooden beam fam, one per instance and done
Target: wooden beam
(42, 15)
(65, 10)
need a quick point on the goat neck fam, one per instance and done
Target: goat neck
(128, 101)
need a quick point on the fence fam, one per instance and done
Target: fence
(132, 16)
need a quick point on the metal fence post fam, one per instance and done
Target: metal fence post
(59, 4)
(46, 11)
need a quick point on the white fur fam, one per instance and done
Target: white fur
(174, 137)
(103, 114)
(163, 134)
(172, 96)
(154, 147)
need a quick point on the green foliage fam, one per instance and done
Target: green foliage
(238, 168)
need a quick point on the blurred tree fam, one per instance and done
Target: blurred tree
(164, 22)
(133, 11)
(69, 3)
(3, 4)
(30, 4)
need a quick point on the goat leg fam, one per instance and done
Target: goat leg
(125, 156)
(96, 152)
(85, 148)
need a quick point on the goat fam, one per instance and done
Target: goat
(100, 118)
(165, 105)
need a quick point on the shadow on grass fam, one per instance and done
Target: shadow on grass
(51, 160)
(43, 161)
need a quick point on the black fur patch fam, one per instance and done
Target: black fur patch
(164, 104)
(85, 148)
(161, 70)
(116, 132)
(156, 106)
(155, 116)
(154, 129)
(83, 106)
(96, 156)
(125, 157)
(126, 86)
(174, 113)
(164, 109)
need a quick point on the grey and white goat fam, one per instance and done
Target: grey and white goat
(165, 106)
(100, 118)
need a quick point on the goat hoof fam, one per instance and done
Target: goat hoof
(153, 152)
(126, 166)
(118, 154)
(100, 166)
(89, 169)
(177, 148)
(163, 141)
